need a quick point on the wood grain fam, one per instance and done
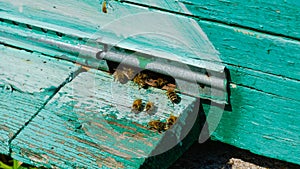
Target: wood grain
(262, 123)
(278, 17)
(87, 125)
(235, 46)
(262, 56)
(25, 85)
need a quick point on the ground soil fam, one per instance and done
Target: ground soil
(216, 155)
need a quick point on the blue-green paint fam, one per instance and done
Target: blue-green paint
(278, 17)
(110, 136)
(262, 123)
(23, 37)
(26, 80)
(263, 62)
(236, 46)
(117, 28)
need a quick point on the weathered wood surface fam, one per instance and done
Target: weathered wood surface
(263, 64)
(85, 53)
(278, 17)
(28, 37)
(89, 124)
(236, 46)
(27, 81)
(263, 123)
(124, 27)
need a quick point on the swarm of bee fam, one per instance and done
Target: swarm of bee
(145, 79)
(160, 126)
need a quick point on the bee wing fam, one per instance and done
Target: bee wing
(110, 6)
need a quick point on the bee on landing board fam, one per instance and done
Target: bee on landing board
(137, 106)
(170, 121)
(157, 125)
(149, 107)
(173, 96)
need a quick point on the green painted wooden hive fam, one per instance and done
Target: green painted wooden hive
(64, 102)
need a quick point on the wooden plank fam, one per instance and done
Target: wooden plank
(243, 76)
(262, 66)
(65, 48)
(16, 109)
(277, 17)
(254, 50)
(262, 123)
(90, 23)
(26, 82)
(235, 46)
(263, 82)
(89, 124)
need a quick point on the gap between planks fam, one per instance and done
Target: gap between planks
(68, 80)
(238, 26)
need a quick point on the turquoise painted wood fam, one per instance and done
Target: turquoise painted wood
(28, 38)
(89, 124)
(262, 57)
(263, 123)
(71, 18)
(278, 17)
(237, 46)
(25, 86)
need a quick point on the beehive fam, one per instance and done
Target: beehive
(48, 89)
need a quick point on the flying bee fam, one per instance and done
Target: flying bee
(173, 96)
(149, 107)
(170, 121)
(140, 79)
(157, 125)
(137, 106)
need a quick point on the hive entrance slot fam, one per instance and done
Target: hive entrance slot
(143, 78)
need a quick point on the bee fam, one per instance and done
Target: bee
(124, 74)
(105, 4)
(129, 72)
(137, 105)
(149, 107)
(160, 82)
(157, 125)
(170, 121)
(141, 79)
(120, 76)
(173, 96)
